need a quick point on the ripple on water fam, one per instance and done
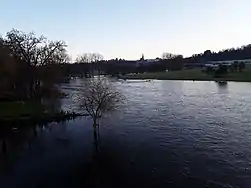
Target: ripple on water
(174, 133)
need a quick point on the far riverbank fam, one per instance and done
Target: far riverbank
(192, 74)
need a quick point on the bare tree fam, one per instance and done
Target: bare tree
(167, 55)
(24, 45)
(35, 53)
(53, 52)
(97, 57)
(99, 97)
(35, 50)
(91, 61)
(83, 58)
(89, 58)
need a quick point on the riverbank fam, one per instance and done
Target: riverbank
(192, 74)
(34, 111)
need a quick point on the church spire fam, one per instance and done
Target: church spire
(143, 57)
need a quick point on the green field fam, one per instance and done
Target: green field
(193, 74)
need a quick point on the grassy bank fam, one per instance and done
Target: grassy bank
(30, 111)
(192, 74)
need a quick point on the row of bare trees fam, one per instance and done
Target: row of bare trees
(90, 63)
(167, 55)
(28, 63)
(89, 58)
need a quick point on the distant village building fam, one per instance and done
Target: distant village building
(144, 61)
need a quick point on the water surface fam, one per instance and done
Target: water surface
(167, 133)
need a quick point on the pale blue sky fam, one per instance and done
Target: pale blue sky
(128, 28)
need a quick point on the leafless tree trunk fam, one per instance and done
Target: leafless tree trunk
(99, 97)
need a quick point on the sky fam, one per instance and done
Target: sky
(129, 28)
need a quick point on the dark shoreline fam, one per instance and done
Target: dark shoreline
(43, 119)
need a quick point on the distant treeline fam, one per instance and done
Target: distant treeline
(30, 64)
(115, 67)
(241, 53)
(89, 64)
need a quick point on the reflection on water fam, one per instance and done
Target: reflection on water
(168, 133)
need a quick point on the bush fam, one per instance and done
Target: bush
(209, 70)
(242, 66)
(222, 70)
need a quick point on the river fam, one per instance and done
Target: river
(166, 134)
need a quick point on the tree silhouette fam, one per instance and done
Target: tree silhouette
(99, 97)
(33, 54)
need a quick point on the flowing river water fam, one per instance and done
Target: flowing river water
(166, 134)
